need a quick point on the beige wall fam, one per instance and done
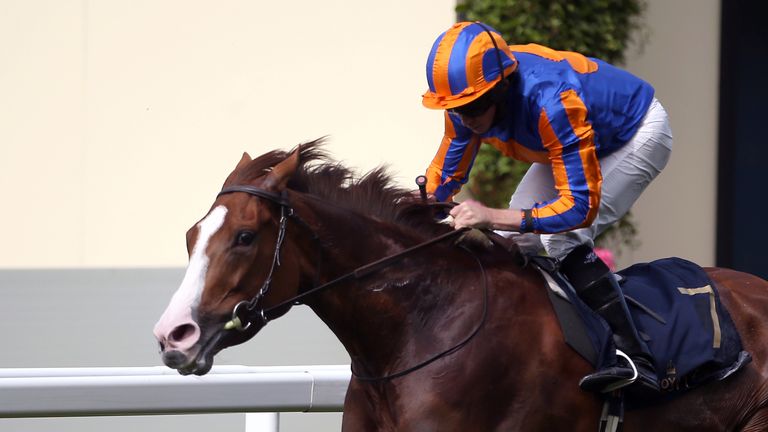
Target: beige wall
(676, 215)
(120, 120)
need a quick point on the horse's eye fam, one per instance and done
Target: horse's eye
(245, 238)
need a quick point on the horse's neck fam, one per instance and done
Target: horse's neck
(379, 316)
(384, 317)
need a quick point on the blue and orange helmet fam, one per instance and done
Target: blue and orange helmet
(466, 62)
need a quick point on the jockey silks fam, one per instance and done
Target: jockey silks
(563, 109)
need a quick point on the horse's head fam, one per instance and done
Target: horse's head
(235, 262)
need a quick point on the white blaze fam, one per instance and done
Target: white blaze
(187, 297)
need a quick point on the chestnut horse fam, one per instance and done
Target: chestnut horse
(441, 337)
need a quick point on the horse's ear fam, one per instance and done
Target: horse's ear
(243, 161)
(278, 178)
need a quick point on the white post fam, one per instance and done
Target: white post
(262, 422)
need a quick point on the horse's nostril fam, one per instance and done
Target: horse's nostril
(182, 332)
(162, 347)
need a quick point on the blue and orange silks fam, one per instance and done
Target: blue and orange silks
(563, 109)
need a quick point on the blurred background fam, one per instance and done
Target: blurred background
(119, 121)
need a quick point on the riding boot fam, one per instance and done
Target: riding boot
(598, 288)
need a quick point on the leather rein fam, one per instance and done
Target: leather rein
(246, 312)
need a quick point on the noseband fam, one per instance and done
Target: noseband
(246, 312)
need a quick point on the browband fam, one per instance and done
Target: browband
(252, 190)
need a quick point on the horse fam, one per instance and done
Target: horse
(443, 335)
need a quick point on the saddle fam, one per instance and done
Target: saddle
(676, 308)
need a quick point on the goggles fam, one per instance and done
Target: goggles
(477, 107)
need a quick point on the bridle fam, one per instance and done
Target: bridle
(247, 312)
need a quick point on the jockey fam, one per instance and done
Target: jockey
(596, 136)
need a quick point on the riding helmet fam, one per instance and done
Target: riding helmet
(465, 62)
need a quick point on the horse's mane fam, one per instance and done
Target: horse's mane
(374, 194)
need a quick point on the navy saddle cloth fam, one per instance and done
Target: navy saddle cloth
(677, 311)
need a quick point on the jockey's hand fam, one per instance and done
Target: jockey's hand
(471, 214)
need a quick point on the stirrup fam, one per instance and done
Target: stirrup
(625, 382)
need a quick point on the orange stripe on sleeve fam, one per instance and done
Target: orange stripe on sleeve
(435, 169)
(552, 143)
(577, 117)
(466, 159)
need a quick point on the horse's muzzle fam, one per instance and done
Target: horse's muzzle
(185, 365)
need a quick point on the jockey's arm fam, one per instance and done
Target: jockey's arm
(568, 137)
(450, 167)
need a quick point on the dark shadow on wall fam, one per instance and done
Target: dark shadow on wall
(742, 234)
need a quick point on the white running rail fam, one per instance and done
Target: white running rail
(66, 392)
